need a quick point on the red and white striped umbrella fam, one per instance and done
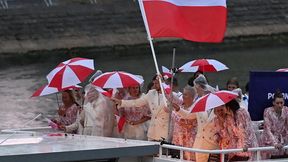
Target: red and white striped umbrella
(166, 72)
(46, 90)
(213, 100)
(117, 79)
(204, 65)
(282, 70)
(70, 72)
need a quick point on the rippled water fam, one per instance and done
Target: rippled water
(17, 83)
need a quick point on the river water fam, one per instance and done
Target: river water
(17, 83)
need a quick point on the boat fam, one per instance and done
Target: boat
(44, 144)
(47, 145)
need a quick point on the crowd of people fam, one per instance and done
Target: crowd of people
(154, 116)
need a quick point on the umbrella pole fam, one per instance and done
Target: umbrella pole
(170, 124)
(152, 47)
(57, 100)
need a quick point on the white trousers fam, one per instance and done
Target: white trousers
(203, 144)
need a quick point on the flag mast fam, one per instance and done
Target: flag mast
(143, 13)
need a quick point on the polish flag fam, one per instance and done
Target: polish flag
(194, 20)
(167, 88)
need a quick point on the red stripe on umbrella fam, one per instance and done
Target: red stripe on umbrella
(200, 62)
(102, 79)
(47, 90)
(44, 90)
(213, 100)
(57, 79)
(117, 80)
(204, 65)
(128, 80)
(70, 72)
(81, 71)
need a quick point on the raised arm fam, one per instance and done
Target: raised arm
(183, 113)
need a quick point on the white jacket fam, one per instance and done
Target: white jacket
(158, 127)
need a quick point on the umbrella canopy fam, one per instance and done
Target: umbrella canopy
(70, 72)
(117, 79)
(282, 70)
(213, 100)
(204, 65)
(46, 90)
(166, 72)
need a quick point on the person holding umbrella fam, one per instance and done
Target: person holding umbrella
(202, 110)
(235, 130)
(68, 111)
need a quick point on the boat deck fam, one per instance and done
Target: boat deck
(66, 147)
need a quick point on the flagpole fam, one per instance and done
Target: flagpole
(141, 5)
(170, 126)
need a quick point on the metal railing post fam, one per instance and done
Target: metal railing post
(222, 157)
(258, 155)
(181, 154)
(160, 151)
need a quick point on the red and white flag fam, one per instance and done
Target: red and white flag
(167, 88)
(194, 20)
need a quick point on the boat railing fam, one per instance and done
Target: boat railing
(31, 131)
(221, 152)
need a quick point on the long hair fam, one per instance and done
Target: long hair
(71, 95)
(233, 105)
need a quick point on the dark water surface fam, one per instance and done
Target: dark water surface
(17, 83)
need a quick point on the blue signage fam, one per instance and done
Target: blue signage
(262, 86)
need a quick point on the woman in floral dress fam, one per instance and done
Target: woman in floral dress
(135, 126)
(275, 127)
(68, 111)
(234, 130)
(185, 130)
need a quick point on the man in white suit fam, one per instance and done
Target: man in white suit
(158, 127)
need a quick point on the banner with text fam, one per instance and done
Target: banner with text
(262, 86)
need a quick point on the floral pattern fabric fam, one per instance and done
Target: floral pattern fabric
(70, 115)
(236, 132)
(184, 133)
(275, 129)
(135, 114)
